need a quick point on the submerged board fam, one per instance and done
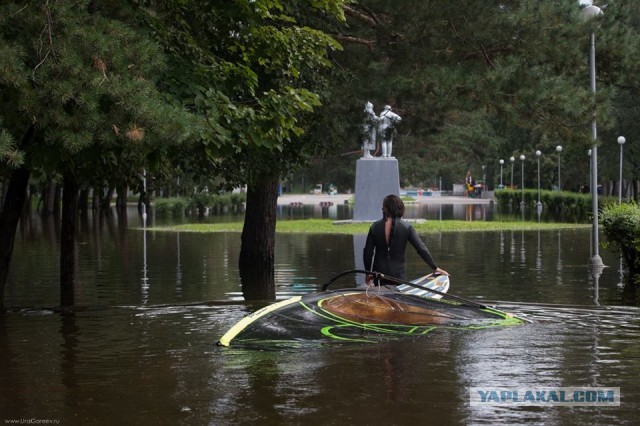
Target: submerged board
(439, 283)
(361, 315)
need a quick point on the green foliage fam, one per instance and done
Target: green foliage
(174, 207)
(250, 69)
(556, 201)
(198, 204)
(8, 151)
(621, 225)
(84, 73)
(477, 81)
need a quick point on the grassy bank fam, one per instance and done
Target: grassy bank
(327, 226)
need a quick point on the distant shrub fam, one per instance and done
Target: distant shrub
(171, 207)
(564, 202)
(621, 225)
(200, 204)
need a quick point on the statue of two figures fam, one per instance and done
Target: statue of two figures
(384, 125)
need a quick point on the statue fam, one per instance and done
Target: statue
(387, 129)
(369, 130)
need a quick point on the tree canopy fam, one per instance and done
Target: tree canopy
(79, 100)
(479, 81)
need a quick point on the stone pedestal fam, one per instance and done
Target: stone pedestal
(375, 179)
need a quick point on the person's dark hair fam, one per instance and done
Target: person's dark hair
(393, 206)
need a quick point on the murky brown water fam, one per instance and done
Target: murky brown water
(141, 350)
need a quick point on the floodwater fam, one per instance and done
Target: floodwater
(141, 347)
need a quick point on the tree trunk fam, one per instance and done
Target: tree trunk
(121, 199)
(48, 198)
(95, 198)
(3, 192)
(257, 250)
(11, 210)
(105, 203)
(57, 199)
(144, 203)
(83, 200)
(67, 241)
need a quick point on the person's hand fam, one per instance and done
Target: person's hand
(439, 271)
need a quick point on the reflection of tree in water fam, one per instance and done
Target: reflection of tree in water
(69, 350)
(629, 293)
(12, 391)
(267, 391)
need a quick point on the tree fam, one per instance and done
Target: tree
(475, 82)
(252, 69)
(78, 92)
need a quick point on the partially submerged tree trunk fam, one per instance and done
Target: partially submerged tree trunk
(258, 282)
(105, 202)
(83, 200)
(67, 241)
(48, 198)
(10, 216)
(257, 253)
(11, 211)
(57, 198)
(121, 198)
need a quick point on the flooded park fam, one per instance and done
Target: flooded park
(141, 347)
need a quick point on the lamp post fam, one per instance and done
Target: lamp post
(144, 204)
(512, 159)
(588, 12)
(484, 182)
(539, 204)
(522, 157)
(501, 164)
(559, 150)
(590, 187)
(621, 141)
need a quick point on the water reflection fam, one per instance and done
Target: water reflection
(69, 357)
(431, 211)
(178, 267)
(359, 241)
(154, 303)
(115, 263)
(160, 363)
(144, 287)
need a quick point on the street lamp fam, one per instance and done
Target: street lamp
(621, 141)
(589, 12)
(484, 182)
(501, 164)
(539, 204)
(559, 150)
(522, 157)
(512, 159)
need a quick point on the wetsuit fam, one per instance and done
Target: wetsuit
(390, 259)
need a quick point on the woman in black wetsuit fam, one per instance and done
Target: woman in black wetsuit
(387, 240)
